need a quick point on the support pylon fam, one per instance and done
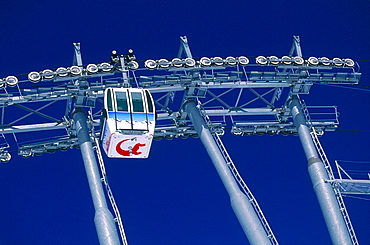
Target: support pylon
(243, 209)
(104, 222)
(323, 189)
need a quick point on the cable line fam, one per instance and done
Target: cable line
(354, 130)
(353, 161)
(339, 86)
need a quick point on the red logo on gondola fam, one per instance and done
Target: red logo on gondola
(133, 150)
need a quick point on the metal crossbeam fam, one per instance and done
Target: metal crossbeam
(36, 112)
(258, 97)
(261, 97)
(218, 98)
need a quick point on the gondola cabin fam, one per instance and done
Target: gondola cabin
(128, 122)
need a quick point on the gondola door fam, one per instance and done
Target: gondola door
(123, 109)
(138, 110)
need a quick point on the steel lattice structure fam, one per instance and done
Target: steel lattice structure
(217, 93)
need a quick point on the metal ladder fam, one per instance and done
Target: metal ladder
(239, 179)
(329, 170)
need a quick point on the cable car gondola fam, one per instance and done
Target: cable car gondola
(128, 122)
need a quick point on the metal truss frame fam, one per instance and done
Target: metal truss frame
(220, 87)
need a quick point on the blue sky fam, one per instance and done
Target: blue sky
(175, 196)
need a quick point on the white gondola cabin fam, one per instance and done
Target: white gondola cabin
(128, 122)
